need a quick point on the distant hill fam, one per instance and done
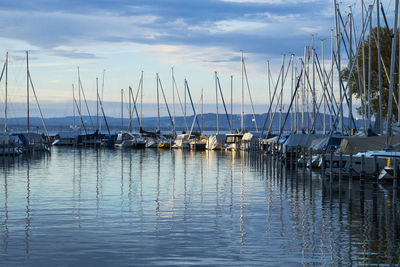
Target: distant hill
(150, 123)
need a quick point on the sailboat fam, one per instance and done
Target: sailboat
(9, 145)
(33, 141)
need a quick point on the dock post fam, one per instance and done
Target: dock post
(296, 159)
(362, 174)
(331, 169)
(323, 164)
(396, 175)
(284, 155)
(291, 157)
(351, 166)
(376, 169)
(340, 166)
(280, 160)
(310, 162)
(304, 162)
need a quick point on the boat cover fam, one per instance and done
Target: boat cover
(216, 141)
(301, 140)
(353, 145)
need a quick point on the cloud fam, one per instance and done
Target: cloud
(234, 24)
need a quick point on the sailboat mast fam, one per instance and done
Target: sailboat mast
(97, 103)
(324, 82)
(370, 70)
(231, 103)
(184, 97)
(158, 105)
(303, 94)
(202, 102)
(141, 98)
(130, 109)
(5, 102)
(281, 94)
(269, 86)
(73, 106)
(291, 95)
(314, 99)
(79, 90)
(27, 92)
(363, 68)
(296, 103)
(379, 67)
(331, 81)
(242, 102)
(173, 98)
(337, 27)
(392, 70)
(122, 109)
(350, 93)
(216, 99)
(101, 98)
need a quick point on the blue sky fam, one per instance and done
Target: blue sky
(124, 37)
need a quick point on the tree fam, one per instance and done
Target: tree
(357, 79)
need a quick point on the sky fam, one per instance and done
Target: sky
(118, 39)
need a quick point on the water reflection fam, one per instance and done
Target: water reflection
(179, 207)
(27, 218)
(5, 222)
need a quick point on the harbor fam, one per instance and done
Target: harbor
(242, 158)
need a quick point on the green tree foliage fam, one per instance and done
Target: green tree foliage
(357, 79)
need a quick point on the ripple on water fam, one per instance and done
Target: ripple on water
(143, 207)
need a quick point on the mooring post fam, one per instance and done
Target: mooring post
(351, 166)
(340, 166)
(304, 162)
(396, 175)
(284, 154)
(362, 174)
(291, 157)
(296, 159)
(311, 163)
(331, 169)
(376, 169)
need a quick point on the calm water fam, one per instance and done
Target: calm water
(143, 207)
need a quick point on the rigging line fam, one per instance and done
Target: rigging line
(273, 97)
(281, 93)
(191, 101)
(37, 103)
(104, 115)
(191, 129)
(325, 87)
(323, 96)
(2, 72)
(80, 116)
(166, 104)
(360, 81)
(279, 96)
(290, 105)
(347, 84)
(223, 102)
(84, 98)
(350, 71)
(313, 98)
(251, 100)
(135, 101)
(332, 98)
(134, 106)
(181, 105)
